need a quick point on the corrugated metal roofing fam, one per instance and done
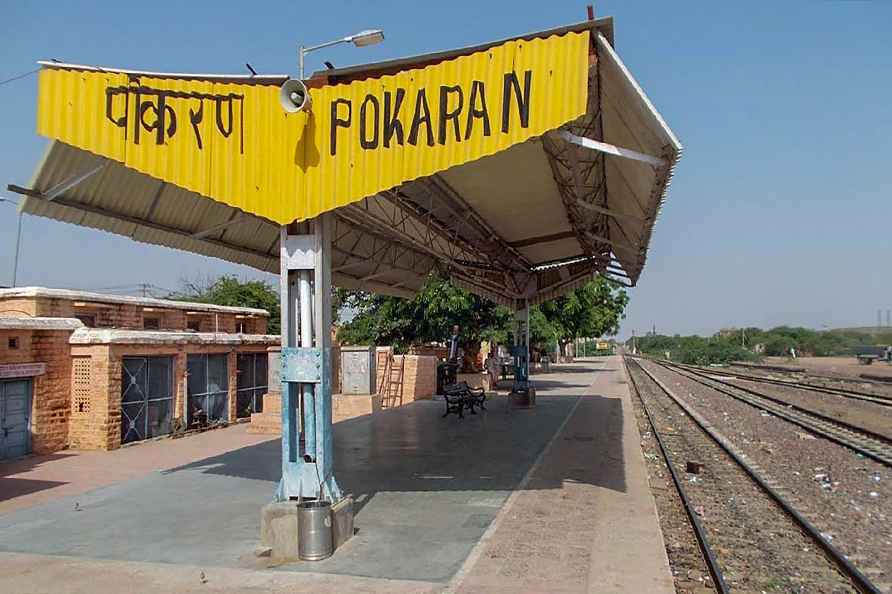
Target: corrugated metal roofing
(503, 225)
(235, 144)
(634, 188)
(125, 202)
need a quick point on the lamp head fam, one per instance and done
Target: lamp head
(367, 37)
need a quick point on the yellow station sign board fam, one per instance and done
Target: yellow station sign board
(235, 144)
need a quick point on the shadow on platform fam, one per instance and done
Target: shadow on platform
(413, 449)
(426, 488)
(11, 487)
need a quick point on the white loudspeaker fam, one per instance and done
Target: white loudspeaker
(294, 96)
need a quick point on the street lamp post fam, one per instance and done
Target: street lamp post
(18, 242)
(361, 39)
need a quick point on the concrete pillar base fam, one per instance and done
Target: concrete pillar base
(279, 527)
(523, 398)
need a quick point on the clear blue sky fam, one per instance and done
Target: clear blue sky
(781, 209)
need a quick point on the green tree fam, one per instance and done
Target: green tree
(228, 290)
(727, 345)
(543, 335)
(696, 350)
(593, 310)
(426, 317)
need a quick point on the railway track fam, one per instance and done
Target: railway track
(858, 580)
(873, 380)
(854, 394)
(867, 443)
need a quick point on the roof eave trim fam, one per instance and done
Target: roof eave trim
(244, 78)
(600, 26)
(605, 44)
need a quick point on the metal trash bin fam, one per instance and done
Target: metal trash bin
(314, 530)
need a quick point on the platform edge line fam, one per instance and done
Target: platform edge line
(475, 553)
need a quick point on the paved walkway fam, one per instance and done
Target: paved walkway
(549, 499)
(597, 530)
(39, 479)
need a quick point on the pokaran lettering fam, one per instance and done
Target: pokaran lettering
(380, 121)
(162, 117)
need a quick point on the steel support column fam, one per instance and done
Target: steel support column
(521, 351)
(307, 440)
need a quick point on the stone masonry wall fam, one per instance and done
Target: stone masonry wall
(25, 351)
(50, 392)
(171, 319)
(19, 307)
(98, 426)
(258, 325)
(216, 323)
(125, 315)
(419, 378)
(92, 380)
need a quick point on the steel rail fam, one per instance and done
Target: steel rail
(712, 564)
(855, 394)
(867, 443)
(836, 556)
(791, 370)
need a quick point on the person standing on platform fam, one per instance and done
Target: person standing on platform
(453, 361)
(493, 367)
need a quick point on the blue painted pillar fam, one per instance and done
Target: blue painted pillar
(307, 440)
(322, 418)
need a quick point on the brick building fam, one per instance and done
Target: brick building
(93, 371)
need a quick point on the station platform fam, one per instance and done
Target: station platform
(549, 499)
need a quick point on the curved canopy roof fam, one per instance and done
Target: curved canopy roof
(530, 210)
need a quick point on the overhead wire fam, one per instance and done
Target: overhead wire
(19, 76)
(24, 74)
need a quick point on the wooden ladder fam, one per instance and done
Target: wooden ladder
(383, 360)
(393, 375)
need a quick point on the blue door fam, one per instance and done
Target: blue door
(15, 418)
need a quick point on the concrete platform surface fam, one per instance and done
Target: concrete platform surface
(38, 479)
(552, 499)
